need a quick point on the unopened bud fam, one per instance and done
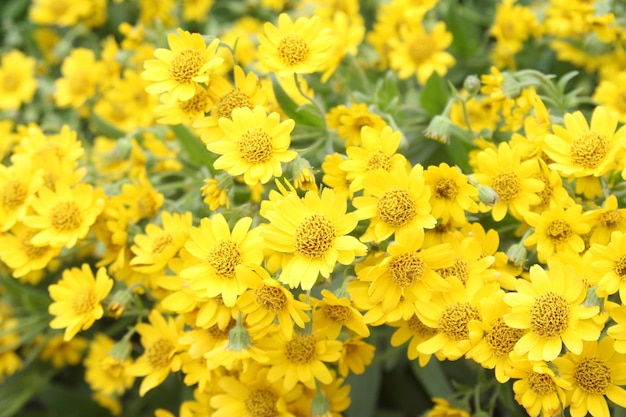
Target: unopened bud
(238, 338)
(472, 85)
(439, 129)
(319, 405)
(487, 195)
(118, 302)
(511, 87)
(517, 254)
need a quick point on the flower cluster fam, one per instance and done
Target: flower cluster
(263, 207)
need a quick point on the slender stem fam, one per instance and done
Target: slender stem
(311, 99)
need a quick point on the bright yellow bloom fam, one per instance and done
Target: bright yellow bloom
(17, 80)
(104, 371)
(417, 332)
(551, 307)
(215, 193)
(396, 202)
(451, 194)
(513, 24)
(610, 93)
(333, 313)
(58, 12)
(160, 339)
(19, 183)
(335, 177)
(350, 120)
(595, 373)
(312, 234)
(177, 70)
(77, 299)
(254, 144)
(444, 409)
(350, 29)
(140, 198)
(607, 220)
(356, 355)
(61, 352)
(80, 76)
(10, 360)
(538, 389)
(19, 254)
(299, 47)
(609, 263)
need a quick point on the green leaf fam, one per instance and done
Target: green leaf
(435, 95)
(306, 114)
(387, 92)
(21, 387)
(459, 147)
(105, 128)
(433, 378)
(196, 150)
(364, 392)
(465, 37)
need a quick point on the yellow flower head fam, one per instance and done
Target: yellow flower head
(58, 12)
(19, 183)
(444, 409)
(61, 352)
(177, 70)
(19, 254)
(609, 263)
(350, 120)
(417, 332)
(299, 47)
(356, 355)
(17, 80)
(77, 299)
(254, 144)
(538, 389)
(451, 194)
(104, 371)
(333, 313)
(80, 76)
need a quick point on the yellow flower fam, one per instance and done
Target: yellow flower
(581, 149)
(444, 409)
(177, 70)
(419, 52)
(538, 389)
(609, 263)
(19, 254)
(557, 230)
(417, 332)
(607, 220)
(17, 80)
(356, 355)
(196, 10)
(312, 234)
(595, 373)
(610, 93)
(335, 177)
(10, 360)
(19, 183)
(105, 372)
(513, 24)
(333, 313)
(142, 200)
(551, 307)
(254, 144)
(299, 47)
(451, 194)
(58, 12)
(514, 181)
(80, 75)
(350, 29)
(222, 254)
(215, 193)
(65, 215)
(77, 299)
(396, 202)
(159, 338)
(63, 352)
(350, 120)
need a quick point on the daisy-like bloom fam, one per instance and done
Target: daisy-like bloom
(557, 230)
(469, 260)
(419, 52)
(299, 47)
(452, 313)
(238, 351)
(609, 263)
(377, 150)
(142, 200)
(162, 351)
(350, 120)
(10, 360)
(19, 182)
(160, 244)
(443, 408)
(80, 75)
(105, 370)
(177, 70)
(58, 12)
(267, 300)
(301, 359)
(607, 220)
(595, 374)
(251, 395)
(618, 330)
(538, 389)
(451, 193)
(417, 332)
(62, 353)
(550, 306)
(581, 149)
(609, 93)
(396, 202)
(350, 28)
(515, 182)
(186, 112)
(222, 254)
(215, 192)
(333, 313)
(335, 177)
(553, 192)
(19, 254)
(499, 339)
(407, 273)
(356, 355)
(64, 216)
(17, 80)
(77, 299)
(254, 144)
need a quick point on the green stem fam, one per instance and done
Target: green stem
(311, 99)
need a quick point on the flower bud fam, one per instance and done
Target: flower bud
(118, 302)
(238, 338)
(517, 254)
(487, 195)
(319, 405)
(472, 85)
(302, 174)
(439, 129)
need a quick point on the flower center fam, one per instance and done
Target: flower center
(549, 315)
(14, 194)
(405, 269)
(301, 349)
(292, 49)
(593, 375)
(196, 104)
(540, 384)
(559, 231)
(396, 207)
(147, 206)
(162, 242)
(446, 189)
(235, 99)
(378, 160)
(610, 220)
(271, 299)
(506, 184)
(420, 329)
(620, 267)
(10, 82)
(221, 334)
(589, 149)
(223, 257)
(255, 146)
(84, 301)
(159, 353)
(503, 338)
(314, 236)
(338, 314)
(31, 251)
(421, 48)
(460, 269)
(454, 320)
(65, 216)
(261, 403)
(185, 65)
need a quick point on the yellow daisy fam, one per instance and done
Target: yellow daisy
(80, 75)
(607, 220)
(451, 195)
(609, 263)
(19, 183)
(312, 234)
(77, 299)
(396, 202)
(177, 70)
(538, 389)
(254, 144)
(417, 332)
(333, 313)
(550, 305)
(222, 253)
(299, 47)
(105, 372)
(19, 254)
(356, 355)
(348, 121)
(17, 80)
(595, 373)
